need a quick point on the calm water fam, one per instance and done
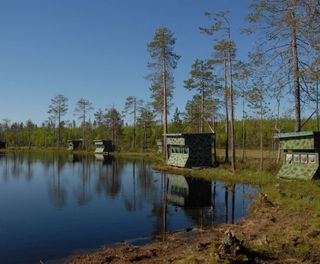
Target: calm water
(53, 205)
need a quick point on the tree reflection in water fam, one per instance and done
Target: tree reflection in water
(134, 182)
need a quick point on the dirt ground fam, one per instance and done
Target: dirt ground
(271, 234)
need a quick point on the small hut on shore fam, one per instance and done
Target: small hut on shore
(74, 144)
(3, 144)
(189, 150)
(301, 155)
(104, 146)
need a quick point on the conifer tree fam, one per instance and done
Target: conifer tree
(163, 60)
(131, 107)
(57, 109)
(220, 23)
(291, 43)
(204, 81)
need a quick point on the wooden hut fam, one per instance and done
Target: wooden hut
(190, 150)
(301, 155)
(104, 146)
(74, 144)
(3, 144)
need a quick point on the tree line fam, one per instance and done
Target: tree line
(281, 71)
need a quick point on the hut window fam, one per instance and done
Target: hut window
(289, 158)
(304, 158)
(312, 158)
(296, 158)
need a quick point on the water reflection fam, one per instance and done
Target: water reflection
(89, 200)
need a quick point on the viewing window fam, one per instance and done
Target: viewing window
(296, 158)
(289, 158)
(312, 158)
(304, 158)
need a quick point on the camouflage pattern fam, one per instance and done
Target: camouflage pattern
(178, 159)
(306, 140)
(301, 155)
(104, 146)
(159, 145)
(303, 143)
(176, 141)
(298, 171)
(195, 152)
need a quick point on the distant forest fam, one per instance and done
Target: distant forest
(277, 81)
(30, 135)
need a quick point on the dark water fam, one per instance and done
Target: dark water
(53, 205)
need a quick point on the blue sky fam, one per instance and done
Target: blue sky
(97, 49)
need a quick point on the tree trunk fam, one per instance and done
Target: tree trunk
(261, 142)
(202, 110)
(59, 128)
(278, 130)
(243, 134)
(226, 160)
(233, 146)
(144, 135)
(84, 130)
(134, 122)
(296, 78)
(164, 99)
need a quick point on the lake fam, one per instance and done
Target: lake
(53, 205)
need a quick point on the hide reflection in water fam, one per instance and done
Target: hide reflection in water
(202, 200)
(106, 159)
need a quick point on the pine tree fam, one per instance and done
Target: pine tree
(114, 122)
(220, 23)
(177, 125)
(57, 109)
(291, 37)
(82, 110)
(204, 81)
(145, 120)
(131, 107)
(163, 60)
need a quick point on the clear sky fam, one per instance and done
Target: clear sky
(97, 49)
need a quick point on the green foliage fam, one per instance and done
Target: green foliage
(176, 124)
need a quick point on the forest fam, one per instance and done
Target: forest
(246, 102)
